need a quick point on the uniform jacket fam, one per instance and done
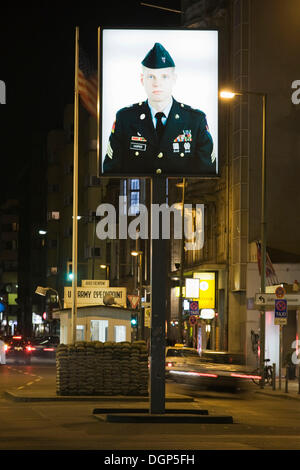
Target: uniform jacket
(185, 148)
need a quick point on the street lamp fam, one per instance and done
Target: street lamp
(106, 267)
(229, 94)
(139, 254)
(43, 292)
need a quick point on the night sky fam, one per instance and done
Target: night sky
(37, 65)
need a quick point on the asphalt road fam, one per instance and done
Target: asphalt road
(260, 422)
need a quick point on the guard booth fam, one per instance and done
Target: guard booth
(96, 323)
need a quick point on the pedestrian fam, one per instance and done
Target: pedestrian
(2, 352)
(159, 135)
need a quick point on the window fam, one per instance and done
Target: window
(53, 215)
(134, 197)
(99, 330)
(120, 333)
(79, 332)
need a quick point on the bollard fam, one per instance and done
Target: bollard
(298, 380)
(286, 379)
(274, 376)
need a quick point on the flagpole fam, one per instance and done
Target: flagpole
(98, 108)
(75, 194)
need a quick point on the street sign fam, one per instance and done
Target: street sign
(281, 312)
(194, 307)
(267, 300)
(193, 320)
(134, 300)
(147, 317)
(280, 292)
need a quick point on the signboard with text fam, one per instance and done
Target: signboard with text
(281, 312)
(87, 296)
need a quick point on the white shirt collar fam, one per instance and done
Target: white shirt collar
(166, 110)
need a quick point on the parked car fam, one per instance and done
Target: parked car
(18, 349)
(211, 369)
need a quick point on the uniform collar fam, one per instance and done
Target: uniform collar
(166, 110)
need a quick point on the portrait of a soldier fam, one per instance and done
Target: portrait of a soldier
(160, 135)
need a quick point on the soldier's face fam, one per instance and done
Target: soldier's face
(158, 83)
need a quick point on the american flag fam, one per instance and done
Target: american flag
(270, 271)
(87, 83)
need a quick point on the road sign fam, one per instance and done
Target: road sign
(134, 300)
(267, 300)
(280, 292)
(281, 312)
(193, 320)
(147, 317)
(194, 307)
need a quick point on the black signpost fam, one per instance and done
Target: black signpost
(158, 300)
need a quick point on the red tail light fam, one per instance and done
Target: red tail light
(6, 347)
(30, 348)
(48, 349)
(17, 337)
(244, 376)
(170, 364)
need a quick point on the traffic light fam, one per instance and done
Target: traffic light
(69, 271)
(133, 321)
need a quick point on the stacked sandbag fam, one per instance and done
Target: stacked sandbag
(143, 368)
(125, 367)
(96, 368)
(73, 371)
(134, 369)
(62, 370)
(107, 368)
(90, 366)
(98, 372)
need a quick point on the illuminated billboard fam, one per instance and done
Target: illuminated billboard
(159, 102)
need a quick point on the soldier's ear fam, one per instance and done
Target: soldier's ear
(142, 79)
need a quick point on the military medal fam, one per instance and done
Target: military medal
(138, 138)
(175, 147)
(187, 147)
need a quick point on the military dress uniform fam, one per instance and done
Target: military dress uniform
(134, 148)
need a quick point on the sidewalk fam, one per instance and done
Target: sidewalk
(292, 390)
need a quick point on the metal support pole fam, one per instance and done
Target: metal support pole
(274, 376)
(299, 380)
(280, 355)
(75, 195)
(263, 238)
(287, 379)
(180, 309)
(158, 304)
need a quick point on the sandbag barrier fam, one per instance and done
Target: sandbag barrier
(102, 368)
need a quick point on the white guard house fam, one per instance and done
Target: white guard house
(98, 319)
(96, 323)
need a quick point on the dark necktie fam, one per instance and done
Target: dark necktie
(159, 125)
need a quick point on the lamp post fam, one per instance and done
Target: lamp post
(43, 292)
(228, 94)
(106, 267)
(139, 254)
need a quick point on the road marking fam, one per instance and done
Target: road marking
(29, 383)
(19, 388)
